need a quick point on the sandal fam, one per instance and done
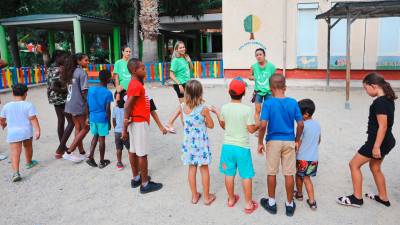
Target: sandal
(212, 199)
(32, 164)
(378, 199)
(170, 129)
(237, 197)
(104, 163)
(250, 211)
(313, 205)
(91, 162)
(350, 200)
(197, 200)
(298, 196)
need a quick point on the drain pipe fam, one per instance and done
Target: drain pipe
(284, 36)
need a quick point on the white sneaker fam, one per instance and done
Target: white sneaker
(72, 157)
(83, 156)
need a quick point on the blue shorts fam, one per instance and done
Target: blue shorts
(100, 129)
(235, 157)
(261, 98)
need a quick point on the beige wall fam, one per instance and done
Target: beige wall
(271, 34)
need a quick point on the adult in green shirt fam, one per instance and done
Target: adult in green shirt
(121, 74)
(261, 71)
(181, 65)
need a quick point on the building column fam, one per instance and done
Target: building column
(84, 43)
(209, 42)
(52, 44)
(77, 36)
(117, 43)
(4, 54)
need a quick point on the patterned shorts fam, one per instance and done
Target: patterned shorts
(306, 168)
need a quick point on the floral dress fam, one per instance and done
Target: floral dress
(195, 146)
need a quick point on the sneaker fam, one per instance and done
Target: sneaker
(135, 184)
(120, 166)
(290, 209)
(91, 162)
(83, 156)
(150, 187)
(265, 204)
(71, 157)
(104, 163)
(16, 177)
(32, 164)
(350, 200)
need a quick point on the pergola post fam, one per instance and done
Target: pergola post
(328, 55)
(117, 42)
(84, 43)
(3, 44)
(77, 36)
(52, 44)
(348, 65)
(109, 50)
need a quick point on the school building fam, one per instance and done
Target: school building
(297, 42)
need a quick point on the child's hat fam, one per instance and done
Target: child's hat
(238, 86)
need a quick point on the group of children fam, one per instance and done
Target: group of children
(295, 148)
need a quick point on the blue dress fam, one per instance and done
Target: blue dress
(195, 146)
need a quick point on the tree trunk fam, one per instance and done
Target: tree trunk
(135, 35)
(14, 50)
(150, 50)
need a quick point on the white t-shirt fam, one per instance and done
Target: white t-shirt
(17, 115)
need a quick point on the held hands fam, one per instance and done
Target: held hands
(213, 109)
(163, 130)
(37, 135)
(376, 153)
(261, 149)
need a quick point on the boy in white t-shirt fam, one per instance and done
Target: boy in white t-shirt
(19, 116)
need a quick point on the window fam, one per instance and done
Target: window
(307, 35)
(389, 43)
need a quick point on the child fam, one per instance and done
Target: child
(195, 146)
(20, 116)
(118, 123)
(379, 143)
(279, 114)
(238, 121)
(136, 120)
(307, 155)
(99, 100)
(76, 105)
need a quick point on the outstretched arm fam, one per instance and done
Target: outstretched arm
(207, 117)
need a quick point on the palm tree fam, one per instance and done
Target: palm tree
(149, 22)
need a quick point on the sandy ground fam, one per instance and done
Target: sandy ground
(60, 192)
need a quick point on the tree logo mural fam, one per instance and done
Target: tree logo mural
(251, 25)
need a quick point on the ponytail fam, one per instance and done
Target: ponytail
(377, 79)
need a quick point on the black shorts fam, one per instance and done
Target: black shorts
(119, 143)
(153, 106)
(387, 145)
(178, 92)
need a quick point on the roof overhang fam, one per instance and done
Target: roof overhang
(207, 21)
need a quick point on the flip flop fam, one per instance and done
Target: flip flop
(237, 197)
(170, 129)
(198, 199)
(211, 201)
(250, 211)
(32, 164)
(378, 199)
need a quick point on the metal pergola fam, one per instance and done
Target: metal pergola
(353, 10)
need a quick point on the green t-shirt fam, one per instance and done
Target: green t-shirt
(181, 69)
(237, 117)
(261, 77)
(124, 77)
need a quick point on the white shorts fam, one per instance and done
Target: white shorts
(138, 138)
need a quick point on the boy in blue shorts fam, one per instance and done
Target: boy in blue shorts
(307, 155)
(238, 121)
(99, 100)
(279, 114)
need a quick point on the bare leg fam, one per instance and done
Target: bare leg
(289, 185)
(172, 119)
(93, 145)
(309, 188)
(28, 150)
(356, 175)
(102, 147)
(16, 149)
(230, 188)
(379, 177)
(192, 181)
(271, 183)
(143, 168)
(119, 156)
(81, 129)
(299, 185)
(205, 178)
(248, 192)
(67, 133)
(60, 121)
(133, 160)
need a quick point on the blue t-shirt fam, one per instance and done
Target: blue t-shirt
(309, 141)
(280, 113)
(98, 98)
(118, 115)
